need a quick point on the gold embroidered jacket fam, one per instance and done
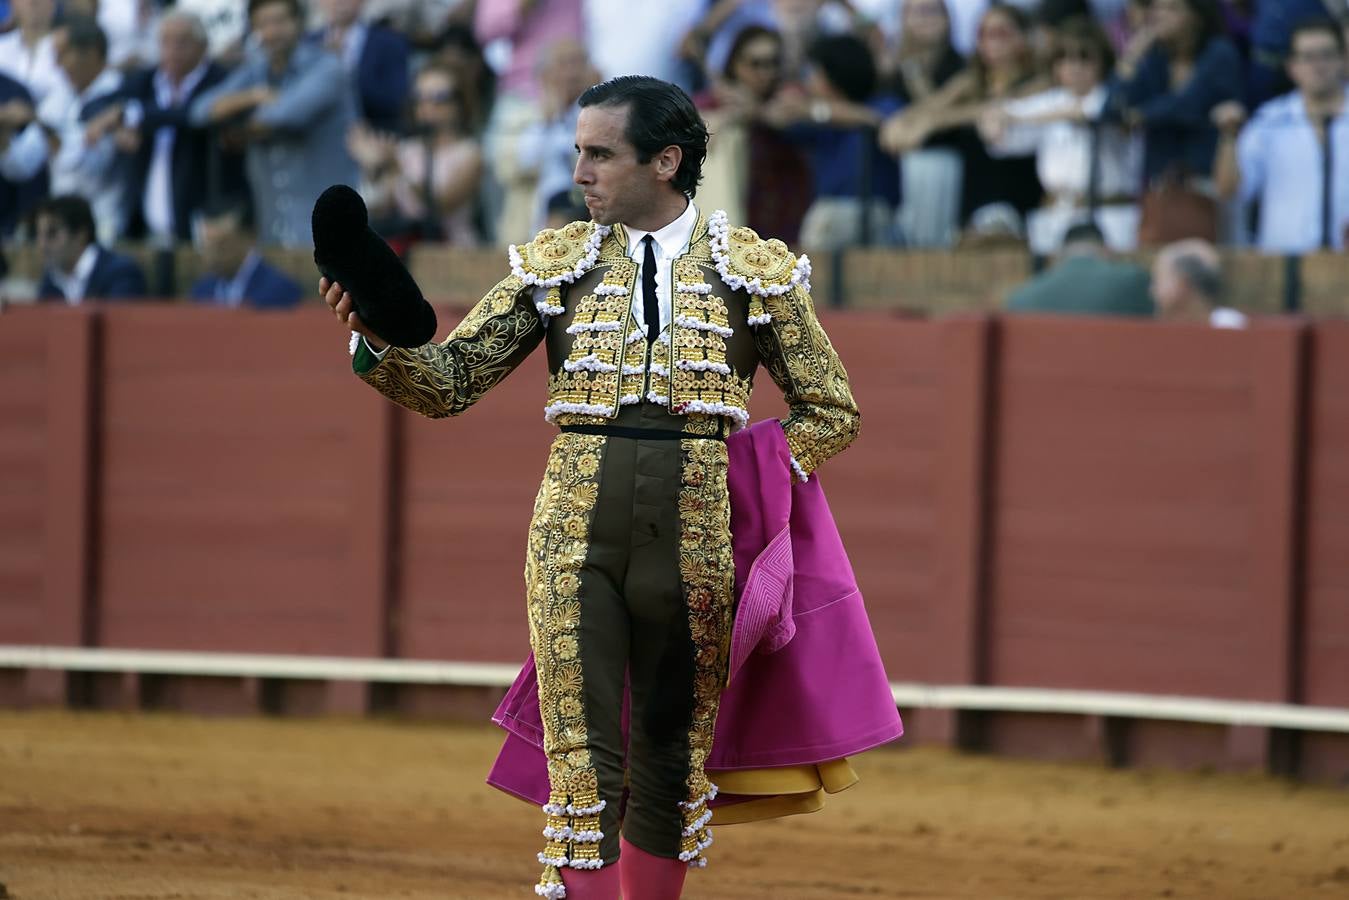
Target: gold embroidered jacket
(737, 301)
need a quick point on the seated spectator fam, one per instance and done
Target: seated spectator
(1187, 67)
(1293, 157)
(1064, 128)
(23, 155)
(236, 273)
(1003, 68)
(290, 105)
(27, 53)
(752, 170)
(1187, 284)
(1085, 281)
(374, 57)
(81, 117)
(171, 159)
(75, 266)
(835, 122)
(423, 187)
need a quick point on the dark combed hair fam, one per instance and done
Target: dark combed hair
(71, 210)
(84, 33)
(1316, 25)
(846, 62)
(296, 9)
(660, 115)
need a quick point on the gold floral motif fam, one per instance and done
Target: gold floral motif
(707, 569)
(557, 538)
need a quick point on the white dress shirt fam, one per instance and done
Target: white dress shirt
(73, 285)
(157, 204)
(35, 68)
(80, 168)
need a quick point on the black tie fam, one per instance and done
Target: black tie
(650, 308)
(1327, 185)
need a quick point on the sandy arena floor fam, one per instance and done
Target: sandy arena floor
(109, 807)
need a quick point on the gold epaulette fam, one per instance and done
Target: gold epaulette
(558, 256)
(765, 269)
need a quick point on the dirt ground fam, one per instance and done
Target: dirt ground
(112, 807)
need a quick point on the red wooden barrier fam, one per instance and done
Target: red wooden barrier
(1033, 502)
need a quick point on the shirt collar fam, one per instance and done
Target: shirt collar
(672, 238)
(79, 276)
(164, 89)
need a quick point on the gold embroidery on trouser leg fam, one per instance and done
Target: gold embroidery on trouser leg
(707, 568)
(558, 540)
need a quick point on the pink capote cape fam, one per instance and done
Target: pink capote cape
(806, 684)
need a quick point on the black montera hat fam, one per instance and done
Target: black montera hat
(348, 251)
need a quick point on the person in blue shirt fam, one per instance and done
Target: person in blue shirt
(1272, 28)
(835, 122)
(236, 273)
(1170, 85)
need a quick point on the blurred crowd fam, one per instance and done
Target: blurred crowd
(910, 123)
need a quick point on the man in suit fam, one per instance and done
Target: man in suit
(236, 274)
(1085, 281)
(75, 267)
(376, 59)
(173, 169)
(291, 105)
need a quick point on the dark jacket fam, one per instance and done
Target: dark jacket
(115, 277)
(16, 198)
(199, 167)
(267, 288)
(380, 82)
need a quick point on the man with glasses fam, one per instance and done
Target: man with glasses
(1292, 155)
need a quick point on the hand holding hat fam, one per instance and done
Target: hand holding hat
(349, 252)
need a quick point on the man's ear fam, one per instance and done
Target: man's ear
(667, 162)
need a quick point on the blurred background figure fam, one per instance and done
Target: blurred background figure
(236, 273)
(752, 170)
(834, 121)
(1271, 34)
(74, 266)
(374, 57)
(1187, 284)
(289, 105)
(420, 20)
(226, 24)
(1085, 281)
(131, 27)
(1172, 76)
(1292, 159)
(533, 150)
(423, 187)
(23, 155)
(1089, 167)
(1002, 68)
(28, 53)
(529, 28)
(175, 165)
(457, 50)
(81, 115)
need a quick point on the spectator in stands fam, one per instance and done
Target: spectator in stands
(23, 155)
(131, 27)
(173, 161)
(75, 266)
(1186, 68)
(375, 57)
(530, 27)
(643, 38)
(420, 20)
(1085, 281)
(535, 141)
(1073, 146)
(1293, 157)
(1187, 284)
(226, 23)
(28, 54)
(1049, 17)
(925, 59)
(752, 170)
(423, 186)
(835, 122)
(1003, 68)
(290, 105)
(458, 51)
(1272, 28)
(236, 273)
(81, 116)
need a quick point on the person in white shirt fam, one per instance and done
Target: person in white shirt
(81, 119)
(26, 53)
(1073, 147)
(1187, 285)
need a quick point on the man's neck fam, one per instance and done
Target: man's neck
(32, 35)
(75, 263)
(1320, 106)
(666, 211)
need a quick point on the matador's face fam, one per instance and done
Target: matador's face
(617, 187)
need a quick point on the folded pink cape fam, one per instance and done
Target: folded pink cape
(806, 681)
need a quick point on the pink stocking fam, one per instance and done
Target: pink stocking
(649, 877)
(591, 884)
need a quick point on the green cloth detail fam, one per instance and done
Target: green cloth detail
(363, 361)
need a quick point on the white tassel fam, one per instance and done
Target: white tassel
(759, 320)
(553, 410)
(551, 891)
(686, 287)
(800, 472)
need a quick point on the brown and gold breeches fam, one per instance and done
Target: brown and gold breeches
(629, 577)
